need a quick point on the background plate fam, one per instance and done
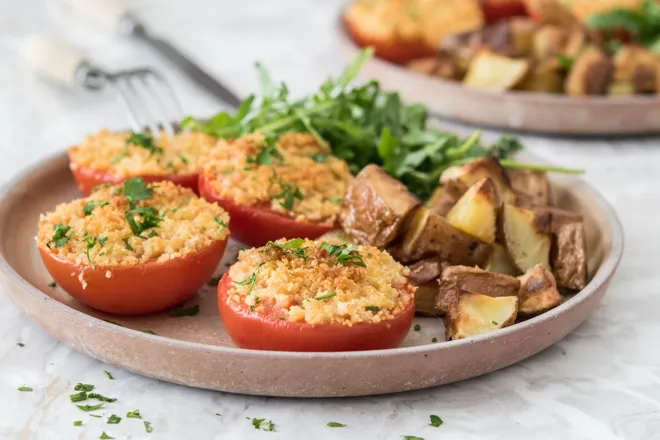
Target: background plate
(514, 110)
(196, 351)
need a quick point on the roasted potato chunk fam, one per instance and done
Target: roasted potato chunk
(441, 200)
(426, 270)
(425, 299)
(550, 12)
(526, 237)
(558, 217)
(549, 41)
(428, 234)
(591, 73)
(569, 255)
(638, 68)
(620, 88)
(476, 211)
(538, 292)
(442, 65)
(475, 314)
(475, 280)
(375, 207)
(459, 179)
(499, 261)
(491, 71)
(424, 275)
(532, 188)
(543, 77)
(336, 237)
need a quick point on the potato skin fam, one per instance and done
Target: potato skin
(591, 73)
(442, 200)
(488, 70)
(538, 292)
(459, 179)
(532, 188)
(569, 256)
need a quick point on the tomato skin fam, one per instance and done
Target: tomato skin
(496, 10)
(139, 289)
(256, 227)
(257, 331)
(394, 50)
(87, 179)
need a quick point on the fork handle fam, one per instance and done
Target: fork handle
(55, 60)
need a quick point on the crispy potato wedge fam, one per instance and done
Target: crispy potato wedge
(475, 280)
(637, 67)
(538, 292)
(532, 188)
(375, 207)
(526, 237)
(428, 234)
(558, 217)
(475, 314)
(522, 35)
(499, 261)
(591, 73)
(549, 40)
(441, 201)
(569, 255)
(441, 65)
(476, 211)
(458, 179)
(426, 270)
(425, 299)
(424, 275)
(337, 237)
(543, 77)
(621, 88)
(491, 71)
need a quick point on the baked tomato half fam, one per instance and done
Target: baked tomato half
(256, 226)
(267, 331)
(496, 10)
(138, 289)
(87, 179)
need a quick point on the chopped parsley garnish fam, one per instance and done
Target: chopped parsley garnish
(91, 242)
(78, 397)
(24, 388)
(105, 436)
(494, 322)
(60, 238)
(326, 296)
(134, 414)
(266, 156)
(214, 281)
(319, 158)
(417, 327)
(144, 141)
(150, 220)
(136, 189)
(221, 223)
(101, 397)
(128, 246)
(372, 309)
(434, 339)
(335, 425)
(227, 171)
(101, 186)
(183, 159)
(77, 423)
(113, 420)
(289, 193)
(52, 284)
(88, 408)
(412, 437)
(344, 254)
(268, 426)
(83, 387)
(435, 421)
(151, 332)
(251, 280)
(108, 375)
(96, 416)
(335, 199)
(292, 246)
(148, 427)
(89, 207)
(257, 423)
(189, 311)
(20, 344)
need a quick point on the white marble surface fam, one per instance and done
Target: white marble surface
(600, 383)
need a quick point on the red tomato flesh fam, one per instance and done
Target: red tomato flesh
(265, 331)
(138, 289)
(257, 226)
(87, 179)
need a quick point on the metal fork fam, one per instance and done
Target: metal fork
(146, 96)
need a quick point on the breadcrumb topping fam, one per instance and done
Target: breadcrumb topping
(308, 281)
(296, 178)
(104, 238)
(109, 152)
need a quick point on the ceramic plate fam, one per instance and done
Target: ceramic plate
(196, 351)
(514, 110)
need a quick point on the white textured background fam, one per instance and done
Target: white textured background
(600, 383)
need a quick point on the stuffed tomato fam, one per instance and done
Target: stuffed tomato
(303, 295)
(289, 189)
(134, 248)
(111, 158)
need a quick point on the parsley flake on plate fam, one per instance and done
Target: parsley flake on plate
(134, 414)
(148, 427)
(25, 389)
(88, 408)
(108, 375)
(105, 436)
(335, 425)
(435, 421)
(113, 419)
(20, 344)
(78, 397)
(188, 311)
(83, 387)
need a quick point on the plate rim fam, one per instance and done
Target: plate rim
(602, 276)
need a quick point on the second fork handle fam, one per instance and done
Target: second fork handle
(199, 76)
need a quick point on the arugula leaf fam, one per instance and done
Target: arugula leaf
(642, 23)
(59, 237)
(145, 141)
